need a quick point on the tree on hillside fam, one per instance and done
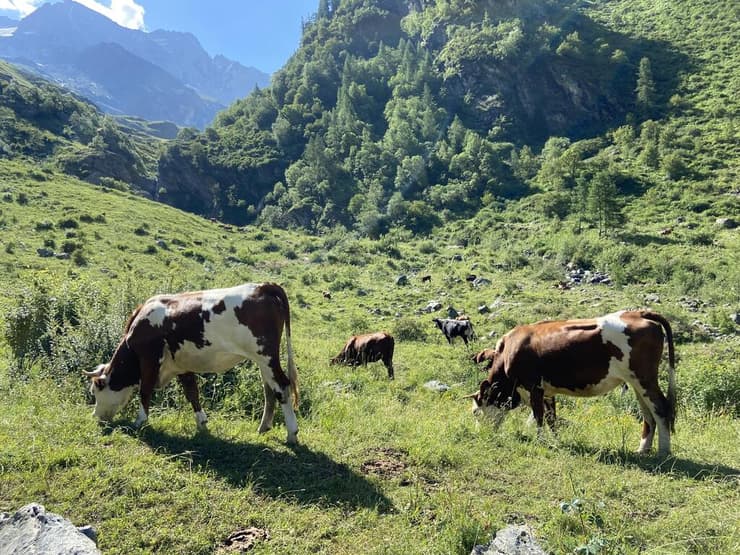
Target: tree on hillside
(645, 89)
(603, 202)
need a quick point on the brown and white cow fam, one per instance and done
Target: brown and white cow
(584, 358)
(370, 347)
(196, 332)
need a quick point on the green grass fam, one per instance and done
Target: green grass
(383, 467)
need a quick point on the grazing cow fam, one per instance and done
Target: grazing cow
(326, 294)
(426, 278)
(485, 354)
(201, 331)
(455, 328)
(370, 347)
(585, 358)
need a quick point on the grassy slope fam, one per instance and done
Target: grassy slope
(448, 481)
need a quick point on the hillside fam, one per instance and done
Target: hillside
(55, 128)
(383, 466)
(410, 114)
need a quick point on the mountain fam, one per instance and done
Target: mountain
(62, 41)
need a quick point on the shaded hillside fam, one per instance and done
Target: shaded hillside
(41, 121)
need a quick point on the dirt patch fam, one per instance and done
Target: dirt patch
(386, 462)
(244, 540)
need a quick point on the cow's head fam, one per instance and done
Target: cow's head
(437, 322)
(497, 395)
(113, 384)
(484, 355)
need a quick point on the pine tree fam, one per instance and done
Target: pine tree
(603, 202)
(645, 88)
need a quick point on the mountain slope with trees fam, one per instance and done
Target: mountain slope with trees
(395, 113)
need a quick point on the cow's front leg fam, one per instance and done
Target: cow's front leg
(537, 401)
(190, 388)
(269, 411)
(146, 388)
(550, 414)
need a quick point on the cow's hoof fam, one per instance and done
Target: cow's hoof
(292, 439)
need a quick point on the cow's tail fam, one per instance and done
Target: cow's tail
(292, 369)
(655, 317)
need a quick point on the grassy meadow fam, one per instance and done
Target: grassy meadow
(382, 467)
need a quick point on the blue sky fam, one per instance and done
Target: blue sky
(259, 33)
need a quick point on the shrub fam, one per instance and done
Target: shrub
(271, 246)
(408, 329)
(44, 226)
(69, 223)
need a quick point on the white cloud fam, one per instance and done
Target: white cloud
(126, 13)
(21, 7)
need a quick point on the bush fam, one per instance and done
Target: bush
(408, 329)
(69, 223)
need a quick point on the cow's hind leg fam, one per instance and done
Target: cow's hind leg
(269, 411)
(190, 388)
(655, 412)
(275, 379)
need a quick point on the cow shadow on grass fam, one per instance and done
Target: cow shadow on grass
(293, 473)
(655, 464)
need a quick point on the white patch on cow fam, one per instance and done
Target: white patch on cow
(201, 419)
(109, 402)
(141, 417)
(613, 331)
(156, 312)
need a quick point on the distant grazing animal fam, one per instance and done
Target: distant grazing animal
(426, 278)
(326, 294)
(455, 328)
(370, 347)
(201, 331)
(584, 358)
(485, 354)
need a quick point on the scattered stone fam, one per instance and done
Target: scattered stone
(452, 313)
(244, 540)
(735, 317)
(432, 306)
(471, 278)
(579, 276)
(726, 223)
(402, 280)
(692, 305)
(62, 255)
(511, 540)
(473, 266)
(457, 258)
(483, 309)
(45, 253)
(652, 298)
(481, 281)
(436, 385)
(161, 243)
(361, 293)
(34, 530)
